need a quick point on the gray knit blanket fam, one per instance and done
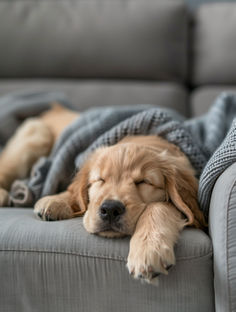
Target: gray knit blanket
(209, 141)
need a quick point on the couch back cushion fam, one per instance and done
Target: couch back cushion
(93, 39)
(214, 44)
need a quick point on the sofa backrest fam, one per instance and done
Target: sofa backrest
(129, 39)
(214, 45)
(120, 51)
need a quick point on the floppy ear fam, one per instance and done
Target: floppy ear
(79, 190)
(182, 187)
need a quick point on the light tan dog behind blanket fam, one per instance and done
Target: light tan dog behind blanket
(143, 186)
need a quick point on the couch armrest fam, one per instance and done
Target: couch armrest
(222, 227)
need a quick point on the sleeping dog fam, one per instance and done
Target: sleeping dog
(143, 187)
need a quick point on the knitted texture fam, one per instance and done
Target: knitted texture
(203, 140)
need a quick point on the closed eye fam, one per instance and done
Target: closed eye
(139, 182)
(100, 180)
(97, 180)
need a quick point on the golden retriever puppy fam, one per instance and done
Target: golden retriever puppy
(143, 187)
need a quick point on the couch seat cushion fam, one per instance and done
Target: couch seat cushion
(59, 265)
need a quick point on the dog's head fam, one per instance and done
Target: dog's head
(117, 183)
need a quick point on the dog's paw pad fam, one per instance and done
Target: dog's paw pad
(40, 215)
(48, 218)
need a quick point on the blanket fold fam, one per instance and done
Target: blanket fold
(208, 141)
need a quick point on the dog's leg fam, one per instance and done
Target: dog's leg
(32, 140)
(152, 244)
(55, 207)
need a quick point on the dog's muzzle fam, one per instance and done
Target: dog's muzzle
(111, 211)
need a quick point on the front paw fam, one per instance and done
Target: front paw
(147, 261)
(4, 197)
(50, 208)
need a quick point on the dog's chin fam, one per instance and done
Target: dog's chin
(104, 229)
(111, 234)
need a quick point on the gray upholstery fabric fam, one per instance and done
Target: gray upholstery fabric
(223, 233)
(84, 94)
(193, 4)
(94, 39)
(47, 267)
(202, 98)
(214, 44)
(58, 266)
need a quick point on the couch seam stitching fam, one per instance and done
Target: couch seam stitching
(96, 256)
(194, 258)
(63, 253)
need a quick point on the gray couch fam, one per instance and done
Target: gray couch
(119, 52)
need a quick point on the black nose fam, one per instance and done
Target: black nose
(111, 210)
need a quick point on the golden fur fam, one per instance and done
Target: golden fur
(152, 179)
(33, 139)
